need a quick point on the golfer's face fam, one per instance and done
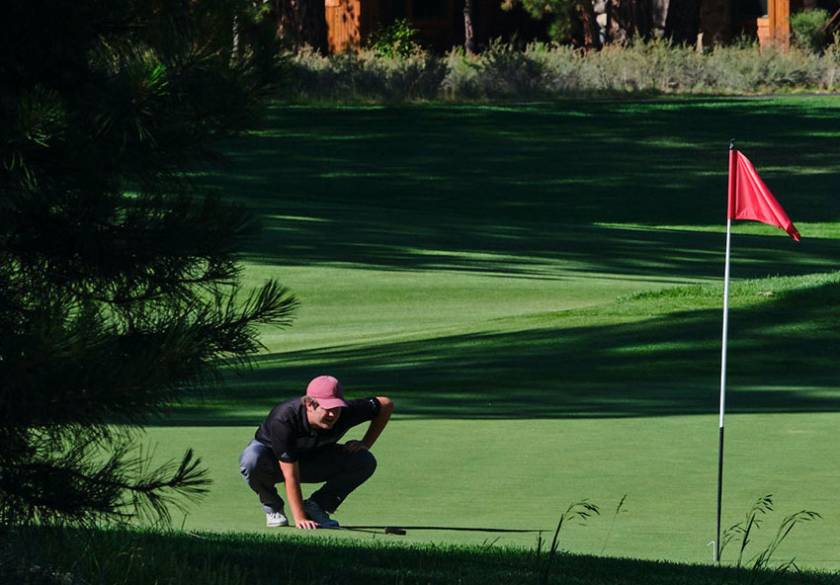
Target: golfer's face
(325, 418)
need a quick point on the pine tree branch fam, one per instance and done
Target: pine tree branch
(118, 284)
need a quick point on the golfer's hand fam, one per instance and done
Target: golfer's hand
(306, 524)
(354, 446)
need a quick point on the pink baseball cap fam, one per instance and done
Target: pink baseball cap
(327, 391)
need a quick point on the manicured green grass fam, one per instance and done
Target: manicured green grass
(538, 286)
(523, 473)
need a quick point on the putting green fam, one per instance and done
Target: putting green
(539, 288)
(524, 473)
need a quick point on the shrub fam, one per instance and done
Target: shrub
(550, 71)
(831, 64)
(746, 70)
(501, 71)
(364, 76)
(399, 39)
(809, 29)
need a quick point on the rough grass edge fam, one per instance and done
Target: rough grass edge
(126, 557)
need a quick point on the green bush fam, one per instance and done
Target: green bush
(399, 39)
(831, 64)
(550, 71)
(364, 76)
(501, 71)
(746, 70)
(808, 29)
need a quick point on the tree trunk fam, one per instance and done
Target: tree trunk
(591, 36)
(715, 19)
(659, 15)
(622, 20)
(469, 33)
(642, 16)
(683, 20)
(301, 22)
(235, 48)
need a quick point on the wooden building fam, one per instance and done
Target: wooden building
(769, 20)
(773, 27)
(766, 20)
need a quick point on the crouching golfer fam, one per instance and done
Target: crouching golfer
(302, 435)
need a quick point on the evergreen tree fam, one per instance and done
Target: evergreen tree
(569, 20)
(118, 282)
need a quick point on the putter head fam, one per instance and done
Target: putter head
(394, 530)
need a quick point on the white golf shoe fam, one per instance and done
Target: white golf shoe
(315, 512)
(276, 519)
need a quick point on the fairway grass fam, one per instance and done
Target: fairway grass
(538, 287)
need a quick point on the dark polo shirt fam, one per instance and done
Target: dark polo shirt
(286, 429)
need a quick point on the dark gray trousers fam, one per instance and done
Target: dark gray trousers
(342, 471)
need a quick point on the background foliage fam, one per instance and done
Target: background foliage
(809, 28)
(545, 71)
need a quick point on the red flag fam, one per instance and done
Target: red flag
(749, 197)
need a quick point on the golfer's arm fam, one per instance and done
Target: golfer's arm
(291, 475)
(379, 421)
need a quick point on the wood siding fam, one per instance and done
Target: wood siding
(763, 31)
(780, 21)
(773, 29)
(349, 22)
(344, 24)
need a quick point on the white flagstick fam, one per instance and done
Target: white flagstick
(723, 385)
(732, 179)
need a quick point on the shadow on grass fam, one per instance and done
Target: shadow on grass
(782, 358)
(525, 190)
(132, 557)
(459, 187)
